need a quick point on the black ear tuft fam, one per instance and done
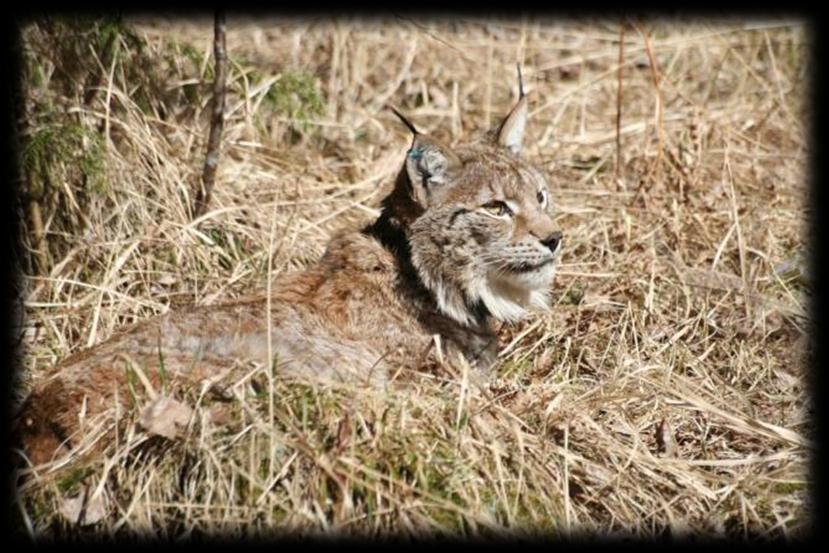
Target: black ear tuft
(520, 82)
(405, 121)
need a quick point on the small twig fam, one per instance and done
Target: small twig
(619, 102)
(211, 161)
(658, 93)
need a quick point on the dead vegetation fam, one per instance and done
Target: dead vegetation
(666, 391)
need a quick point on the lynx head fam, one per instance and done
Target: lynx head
(479, 223)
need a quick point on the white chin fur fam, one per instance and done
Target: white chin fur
(451, 302)
(508, 298)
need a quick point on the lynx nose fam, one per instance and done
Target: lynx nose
(553, 240)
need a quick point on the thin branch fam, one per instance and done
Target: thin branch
(619, 102)
(211, 162)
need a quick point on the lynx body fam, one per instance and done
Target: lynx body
(465, 237)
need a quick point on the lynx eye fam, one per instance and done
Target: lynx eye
(542, 197)
(497, 208)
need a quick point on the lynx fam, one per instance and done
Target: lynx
(465, 238)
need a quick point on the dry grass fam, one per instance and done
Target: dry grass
(664, 392)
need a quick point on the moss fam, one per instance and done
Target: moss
(36, 73)
(70, 483)
(190, 52)
(197, 60)
(788, 488)
(575, 294)
(794, 272)
(518, 370)
(296, 96)
(144, 104)
(58, 149)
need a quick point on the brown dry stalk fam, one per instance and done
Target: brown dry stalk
(38, 244)
(619, 102)
(211, 162)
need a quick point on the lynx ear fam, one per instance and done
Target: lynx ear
(511, 132)
(429, 165)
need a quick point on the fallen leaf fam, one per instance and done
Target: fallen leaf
(167, 279)
(220, 415)
(85, 510)
(553, 405)
(344, 433)
(787, 381)
(165, 416)
(665, 441)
